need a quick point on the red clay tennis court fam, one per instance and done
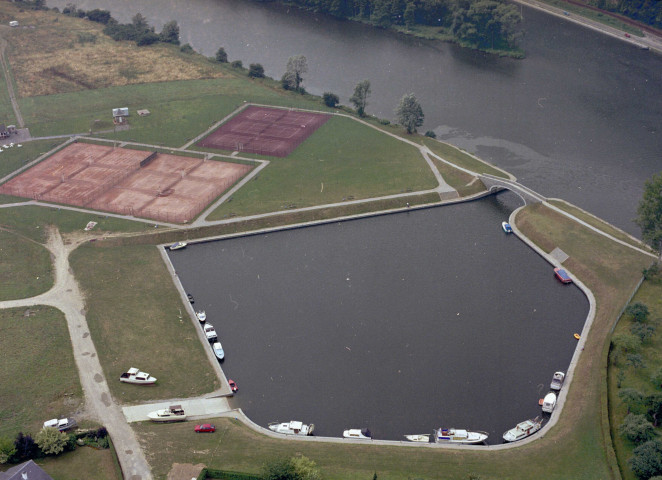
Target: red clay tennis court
(171, 188)
(266, 131)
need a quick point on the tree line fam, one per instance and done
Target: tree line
(484, 24)
(648, 12)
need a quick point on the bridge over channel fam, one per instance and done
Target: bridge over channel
(494, 184)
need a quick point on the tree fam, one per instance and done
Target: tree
(255, 70)
(100, 16)
(7, 449)
(631, 397)
(170, 33)
(409, 113)
(642, 330)
(638, 311)
(139, 22)
(237, 64)
(278, 469)
(657, 378)
(649, 213)
(51, 441)
(304, 468)
(221, 56)
(635, 360)
(330, 99)
(636, 428)
(360, 97)
(26, 448)
(647, 459)
(296, 67)
(654, 404)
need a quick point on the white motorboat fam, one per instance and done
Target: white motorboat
(174, 413)
(210, 333)
(202, 315)
(421, 438)
(523, 430)
(292, 427)
(458, 435)
(218, 350)
(557, 381)
(135, 376)
(178, 246)
(549, 402)
(506, 227)
(61, 424)
(358, 433)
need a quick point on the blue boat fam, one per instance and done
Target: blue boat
(506, 227)
(562, 275)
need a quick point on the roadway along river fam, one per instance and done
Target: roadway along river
(400, 323)
(580, 118)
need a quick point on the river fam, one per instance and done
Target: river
(580, 118)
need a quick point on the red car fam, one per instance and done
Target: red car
(206, 427)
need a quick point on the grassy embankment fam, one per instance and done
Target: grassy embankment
(649, 294)
(39, 378)
(600, 17)
(577, 447)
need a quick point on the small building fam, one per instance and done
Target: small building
(11, 129)
(27, 470)
(119, 115)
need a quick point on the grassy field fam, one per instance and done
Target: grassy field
(464, 183)
(6, 108)
(597, 223)
(147, 328)
(578, 447)
(460, 158)
(83, 463)
(30, 221)
(25, 267)
(14, 158)
(325, 169)
(39, 377)
(650, 294)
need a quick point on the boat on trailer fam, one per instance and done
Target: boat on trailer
(135, 376)
(174, 413)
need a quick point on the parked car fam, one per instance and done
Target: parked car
(205, 428)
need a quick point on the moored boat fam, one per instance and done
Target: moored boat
(178, 246)
(174, 413)
(523, 429)
(557, 381)
(506, 227)
(135, 376)
(292, 427)
(457, 435)
(210, 333)
(358, 433)
(218, 350)
(549, 402)
(420, 437)
(202, 315)
(562, 275)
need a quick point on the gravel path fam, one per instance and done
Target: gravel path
(99, 405)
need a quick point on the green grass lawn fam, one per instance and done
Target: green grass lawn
(342, 160)
(5, 103)
(137, 319)
(460, 158)
(83, 463)
(179, 110)
(14, 158)
(38, 376)
(593, 15)
(597, 223)
(30, 221)
(464, 183)
(650, 294)
(25, 267)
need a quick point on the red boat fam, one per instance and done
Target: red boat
(233, 386)
(562, 275)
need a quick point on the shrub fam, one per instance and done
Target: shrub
(221, 56)
(51, 441)
(647, 459)
(7, 449)
(330, 99)
(26, 448)
(636, 428)
(99, 16)
(430, 134)
(237, 64)
(147, 38)
(186, 48)
(87, 38)
(638, 311)
(170, 33)
(255, 70)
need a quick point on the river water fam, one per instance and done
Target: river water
(580, 118)
(399, 323)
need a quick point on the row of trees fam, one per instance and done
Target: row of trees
(648, 12)
(480, 23)
(48, 441)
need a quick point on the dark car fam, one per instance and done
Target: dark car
(205, 427)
